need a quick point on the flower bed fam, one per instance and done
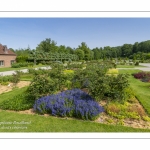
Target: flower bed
(71, 103)
(143, 76)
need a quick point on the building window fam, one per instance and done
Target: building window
(12, 61)
(1, 62)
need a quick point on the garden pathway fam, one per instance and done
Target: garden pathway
(145, 68)
(5, 73)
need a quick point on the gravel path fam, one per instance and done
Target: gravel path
(146, 68)
(5, 73)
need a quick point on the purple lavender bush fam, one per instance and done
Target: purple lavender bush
(70, 103)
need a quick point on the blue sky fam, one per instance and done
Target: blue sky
(96, 32)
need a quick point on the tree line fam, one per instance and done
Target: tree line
(138, 50)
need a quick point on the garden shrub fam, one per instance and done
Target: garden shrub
(146, 118)
(15, 65)
(68, 74)
(136, 63)
(143, 76)
(26, 77)
(138, 109)
(117, 87)
(140, 75)
(74, 66)
(146, 79)
(4, 83)
(23, 64)
(99, 84)
(122, 63)
(57, 74)
(112, 71)
(41, 85)
(5, 79)
(15, 78)
(130, 95)
(21, 59)
(122, 111)
(67, 78)
(31, 70)
(71, 103)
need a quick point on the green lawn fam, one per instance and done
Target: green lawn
(26, 77)
(37, 123)
(125, 66)
(141, 89)
(128, 66)
(5, 96)
(128, 71)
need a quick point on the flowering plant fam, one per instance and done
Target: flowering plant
(71, 103)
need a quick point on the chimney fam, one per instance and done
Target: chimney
(5, 49)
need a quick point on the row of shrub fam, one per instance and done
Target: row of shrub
(15, 78)
(24, 64)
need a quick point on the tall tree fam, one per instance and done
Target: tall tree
(126, 50)
(80, 54)
(86, 49)
(135, 47)
(96, 53)
(47, 45)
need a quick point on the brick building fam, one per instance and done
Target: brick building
(7, 57)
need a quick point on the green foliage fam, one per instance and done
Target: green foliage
(112, 71)
(21, 59)
(58, 76)
(80, 54)
(68, 84)
(146, 118)
(22, 64)
(99, 84)
(18, 102)
(47, 45)
(122, 111)
(41, 85)
(137, 63)
(4, 83)
(87, 53)
(74, 66)
(129, 94)
(68, 74)
(4, 79)
(48, 57)
(26, 77)
(117, 87)
(15, 65)
(15, 78)
(22, 53)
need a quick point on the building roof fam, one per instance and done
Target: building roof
(5, 51)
